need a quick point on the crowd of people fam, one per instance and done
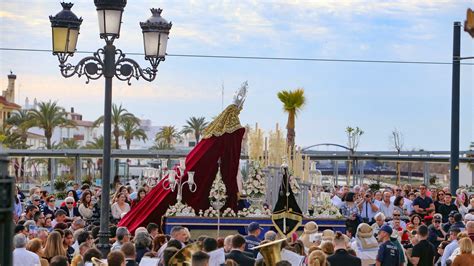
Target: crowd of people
(390, 226)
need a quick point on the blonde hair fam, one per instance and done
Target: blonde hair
(54, 245)
(34, 245)
(465, 245)
(317, 258)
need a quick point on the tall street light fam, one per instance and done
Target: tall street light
(108, 62)
(455, 95)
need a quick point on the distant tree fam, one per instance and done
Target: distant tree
(353, 139)
(195, 125)
(131, 130)
(293, 102)
(119, 116)
(397, 143)
(167, 136)
(22, 121)
(49, 116)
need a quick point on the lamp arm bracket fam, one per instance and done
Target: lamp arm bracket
(126, 68)
(91, 66)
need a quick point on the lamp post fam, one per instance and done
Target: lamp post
(108, 62)
(455, 95)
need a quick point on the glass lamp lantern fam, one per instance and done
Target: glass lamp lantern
(155, 35)
(65, 30)
(110, 13)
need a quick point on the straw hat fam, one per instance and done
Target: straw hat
(310, 228)
(328, 235)
(365, 231)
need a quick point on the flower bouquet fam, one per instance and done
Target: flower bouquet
(255, 185)
(324, 208)
(210, 212)
(229, 213)
(253, 211)
(218, 190)
(180, 209)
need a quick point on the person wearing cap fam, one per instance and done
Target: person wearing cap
(365, 244)
(447, 225)
(423, 253)
(388, 253)
(436, 233)
(308, 237)
(449, 249)
(252, 240)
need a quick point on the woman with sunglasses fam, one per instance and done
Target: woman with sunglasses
(49, 206)
(438, 200)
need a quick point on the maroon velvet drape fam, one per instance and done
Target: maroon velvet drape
(203, 161)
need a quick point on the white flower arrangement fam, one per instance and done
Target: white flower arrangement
(324, 209)
(229, 213)
(218, 190)
(295, 187)
(70, 183)
(210, 212)
(255, 185)
(46, 184)
(180, 209)
(255, 212)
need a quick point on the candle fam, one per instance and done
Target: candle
(171, 177)
(191, 177)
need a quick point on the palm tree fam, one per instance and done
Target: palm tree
(68, 144)
(195, 125)
(167, 135)
(21, 120)
(96, 143)
(131, 130)
(293, 102)
(119, 116)
(48, 116)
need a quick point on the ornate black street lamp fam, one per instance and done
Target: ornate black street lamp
(108, 62)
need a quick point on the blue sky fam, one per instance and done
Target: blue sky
(376, 97)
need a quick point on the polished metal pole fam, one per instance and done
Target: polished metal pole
(454, 167)
(109, 72)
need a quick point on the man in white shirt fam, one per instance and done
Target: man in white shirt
(387, 207)
(21, 256)
(133, 184)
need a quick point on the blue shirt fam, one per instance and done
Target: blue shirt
(251, 242)
(423, 203)
(388, 254)
(448, 251)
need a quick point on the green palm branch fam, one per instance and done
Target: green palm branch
(131, 130)
(293, 102)
(195, 125)
(49, 116)
(168, 135)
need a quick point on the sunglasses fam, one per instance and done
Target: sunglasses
(69, 202)
(437, 222)
(37, 200)
(52, 200)
(398, 190)
(396, 215)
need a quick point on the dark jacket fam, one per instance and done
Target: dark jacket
(341, 257)
(75, 211)
(130, 262)
(239, 257)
